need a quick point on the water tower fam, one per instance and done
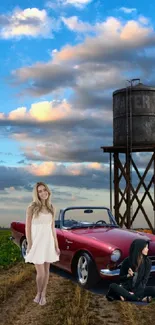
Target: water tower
(133, 132)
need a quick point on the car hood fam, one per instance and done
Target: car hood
(116, 237)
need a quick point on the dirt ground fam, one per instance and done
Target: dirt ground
(67, 303)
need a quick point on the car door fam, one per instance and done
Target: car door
(64, 261)
(66, 245)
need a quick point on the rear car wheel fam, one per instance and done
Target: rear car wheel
(23, 247)
(86, 271)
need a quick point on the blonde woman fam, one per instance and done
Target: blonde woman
(41, 237)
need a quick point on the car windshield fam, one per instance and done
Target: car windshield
(88, 217)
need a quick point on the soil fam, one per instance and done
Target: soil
(67, 303)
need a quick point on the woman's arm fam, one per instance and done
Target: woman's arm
(124, 275)
(29, 215)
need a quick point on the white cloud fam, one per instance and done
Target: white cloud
(111, 26)
(143, 20)
(2, 116)
(113, 36)
(109, 33)
(45, 135)
(79, 4)
(134, 29)
(127, 10)
(45, 169)
(30, 22)
(41, 111)
(17, 114)
(114, 52)
(74, 24)
(48, 168)
(46, 111)
(50, 111)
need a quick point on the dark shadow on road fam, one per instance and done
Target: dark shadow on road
(100, 288)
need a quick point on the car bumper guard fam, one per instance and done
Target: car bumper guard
(116, 272)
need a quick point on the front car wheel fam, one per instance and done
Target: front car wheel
(87, 274)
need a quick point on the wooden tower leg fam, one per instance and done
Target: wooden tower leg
(128, 194)
(116, 187)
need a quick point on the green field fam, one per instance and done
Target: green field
(9, 253)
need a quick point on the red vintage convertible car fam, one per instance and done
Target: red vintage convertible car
(91, 243)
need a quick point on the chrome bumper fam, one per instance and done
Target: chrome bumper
(116, 272)
(107, 272)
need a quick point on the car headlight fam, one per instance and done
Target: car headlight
(116, 254)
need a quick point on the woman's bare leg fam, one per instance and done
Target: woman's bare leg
(147, 299)
(122, 298)
(46, 278)
(39, 280)
(44, 288)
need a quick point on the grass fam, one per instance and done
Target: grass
(9, 253)
(13, 281)
(76, 310)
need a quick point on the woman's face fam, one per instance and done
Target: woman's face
(42, 192)
(145, 250)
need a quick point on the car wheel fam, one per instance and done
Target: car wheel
(87, 274)
(23, 247)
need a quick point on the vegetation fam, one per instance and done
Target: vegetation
(9, 253)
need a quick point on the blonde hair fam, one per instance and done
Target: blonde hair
(36, 204)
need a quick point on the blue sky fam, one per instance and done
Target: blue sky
(60, 62)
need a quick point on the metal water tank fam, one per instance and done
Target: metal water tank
(135, 104)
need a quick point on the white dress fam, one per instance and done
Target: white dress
(43, 246)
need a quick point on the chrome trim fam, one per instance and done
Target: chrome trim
(68, 241)
(108, 272)
(153, 268)
(116, 272)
